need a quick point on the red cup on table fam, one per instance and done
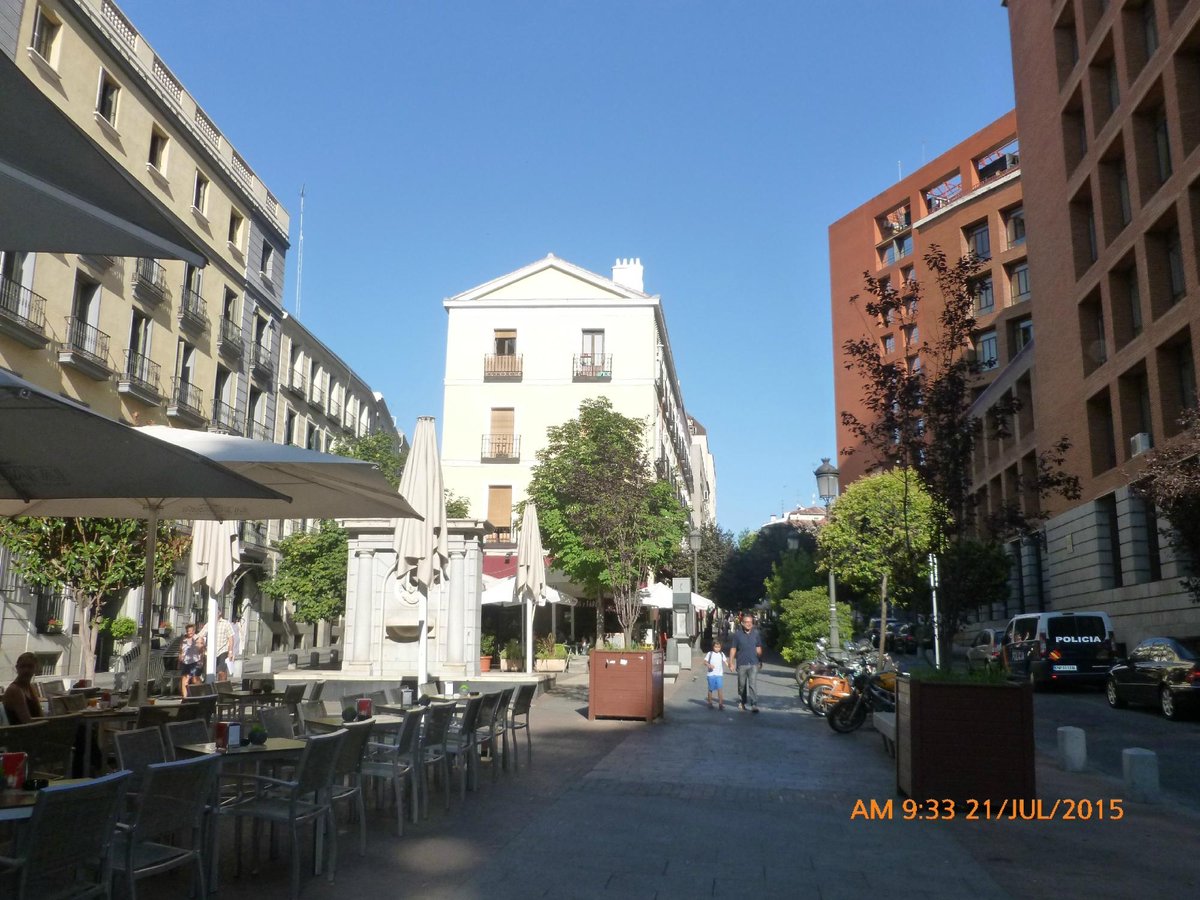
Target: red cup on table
(366, 707)
(221, 735)
(14, 769)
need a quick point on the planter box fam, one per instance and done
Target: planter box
(549, 665)
(512, 665)
(964, 741)
(625, 684)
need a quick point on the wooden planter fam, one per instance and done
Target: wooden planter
(625, 684)
(964, 742)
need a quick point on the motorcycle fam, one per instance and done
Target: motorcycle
(872, 691)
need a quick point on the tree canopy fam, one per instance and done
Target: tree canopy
(716, 548)
(312, 573)
(605, 519)
(1170, 484)
(379, 448)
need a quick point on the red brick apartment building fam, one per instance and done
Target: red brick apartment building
(1108, 99)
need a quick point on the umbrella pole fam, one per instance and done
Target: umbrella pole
(148, 596)
(529, 639)
(211, 650)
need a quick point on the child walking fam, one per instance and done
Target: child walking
(716, 662)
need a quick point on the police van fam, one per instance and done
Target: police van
(1059, 648)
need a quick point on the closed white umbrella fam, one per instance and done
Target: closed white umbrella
(420, 544)
(215, 557)
(530, 584)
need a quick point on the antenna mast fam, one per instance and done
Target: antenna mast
(300, 258)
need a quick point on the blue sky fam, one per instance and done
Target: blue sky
(443, 144)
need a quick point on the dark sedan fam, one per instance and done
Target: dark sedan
(1162, 672)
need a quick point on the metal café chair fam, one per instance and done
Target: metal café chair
(518, 718)
(396, 761)
(53, 752)
(462, 745)
(485, 728)
(305, 799)
(317, 689)
(172, 802)
(65, 849)
(188, 731)
(348, 775)
(277, 720)
(138, 749)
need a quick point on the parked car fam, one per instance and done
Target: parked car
(984, 650)
(1162, 672)
(873, 634)
(1059, 647)
(907, 639)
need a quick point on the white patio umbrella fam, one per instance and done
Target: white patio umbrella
(530, 583)
(660, 596)
(502, 592)
(421, 544)
(58, 458)
(216, 554)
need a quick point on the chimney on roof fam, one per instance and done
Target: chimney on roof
(628, 273)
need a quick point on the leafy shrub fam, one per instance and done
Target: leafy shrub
(804, 619)
(122, 628)
(487, 645)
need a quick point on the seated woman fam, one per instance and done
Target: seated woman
(21, 701)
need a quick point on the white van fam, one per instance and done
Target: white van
(1059, 647)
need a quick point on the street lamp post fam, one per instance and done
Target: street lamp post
(827, 489)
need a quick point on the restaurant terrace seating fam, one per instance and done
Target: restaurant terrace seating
(518, 718)
(348, 774)
(395, 760)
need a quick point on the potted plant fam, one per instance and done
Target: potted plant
(512, 656)
(54, 626)
(549, 656)
(964, 736)
(487, 648)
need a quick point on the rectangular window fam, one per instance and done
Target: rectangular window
(985, 301)
(184, 361)
(505, 341)
(912, 336)
(1114, 88)
(592, 351)
(139, 334)
(979, 241)
(289, 427)
(986, 350)
(158, 150)
(503, 421)
(46, 28)
(1019, 283)
(1093, 248)
(1123, 193)
(266, 269)
(1175, 265)
(191, 277)
(1162, 146)
(236, 224)
(1022, 333)
(499, 511)
(1149, 28)
(889, 343)
(904, 246)
(200, 193)
(1016, 227)
(106, 99)
(1135, 304)
(229, 306)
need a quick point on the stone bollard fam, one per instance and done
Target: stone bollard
(1140, 768)
(334, 656)
(1072, 748)
(314, 660)
(293, 660)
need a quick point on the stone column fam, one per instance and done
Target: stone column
(463, 588)
(369, 558)
(360, 641)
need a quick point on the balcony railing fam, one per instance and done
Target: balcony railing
(231, 340)
(22, 313)
(254, 533)
(592, 367)
(662, 469)
(503, 367)
(297, 383)
(335, 408)
(502, 535)
(141, 376)
(225, 418)
(260, 358)
(260, 431)
(150, 280)
(192, 309)
(85, 348)
(187, 400)
(48, 617)
(500, 447)
(317, 396)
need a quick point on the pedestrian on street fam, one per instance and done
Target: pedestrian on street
(716, 662)
(191, 659)
(221, 644)
(746, 656)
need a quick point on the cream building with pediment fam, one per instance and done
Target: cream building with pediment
(522, 352)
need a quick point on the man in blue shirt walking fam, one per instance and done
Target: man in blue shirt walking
(746, 656)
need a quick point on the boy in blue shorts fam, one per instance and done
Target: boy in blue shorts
(715, 660)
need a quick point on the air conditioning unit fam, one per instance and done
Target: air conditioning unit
(1140, 443)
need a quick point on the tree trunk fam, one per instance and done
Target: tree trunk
(883, 594)
(600, 621)
(88, 634)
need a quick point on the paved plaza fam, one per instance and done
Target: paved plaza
(730, 804)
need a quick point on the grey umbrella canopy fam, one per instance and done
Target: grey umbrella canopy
(58, 458)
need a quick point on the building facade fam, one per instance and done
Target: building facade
(522, 352)
(1108, 95)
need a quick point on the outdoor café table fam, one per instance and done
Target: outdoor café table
(240, 700)
(383, 722)
(17, 806)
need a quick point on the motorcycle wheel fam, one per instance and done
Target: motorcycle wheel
(847, 715)
(802, 673)
(818, 699)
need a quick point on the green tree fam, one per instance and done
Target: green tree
(716, 546)
(1171, 484)
(379, 448)
(94, 559)
(743, 579)
(457, 507)
(795, 571)
(879, 535)
(312, 573)
(804, 618)
(603, 516)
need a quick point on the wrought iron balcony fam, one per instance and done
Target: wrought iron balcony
(503, 367)
(140, 378)
(231, 340)
(500, 448)
(48, 618)
(193, 310)
(22, 314)
(662, 469)
(260, 431)
(253, 535)
(335, 408)
(260, 358)
(85, 349)
(186, 403)
(503, 534)
(225, 418)
(297, 383)
(150, 280)
(317, 396)
(592, 367)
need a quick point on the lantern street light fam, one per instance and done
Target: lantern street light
(827, 489)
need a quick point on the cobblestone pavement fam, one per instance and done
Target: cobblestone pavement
(730, 804)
